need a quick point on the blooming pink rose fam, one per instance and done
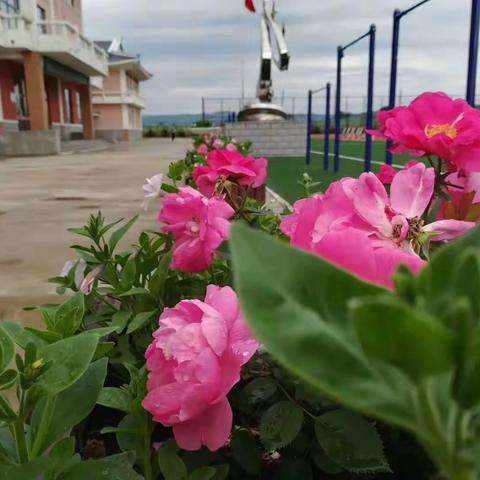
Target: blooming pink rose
(218, 144)
(398, 219)
(354, 250)
(231, 147)
(246, 171)
(329, 226)
(199, 226)
(435, 124)
(194, 361)
(387, 172)
(202, 149)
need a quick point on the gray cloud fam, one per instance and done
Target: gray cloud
(195, 47)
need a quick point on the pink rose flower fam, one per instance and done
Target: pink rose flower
(246, 171)
(194, 361)
(329, 226)
(202, 149)
(231, 147)
(435, 124)
(397, 219)
(199, 226)
(387, 173)
(217, 144)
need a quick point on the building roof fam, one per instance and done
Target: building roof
(117, 57)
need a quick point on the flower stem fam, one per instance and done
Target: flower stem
(21, 445)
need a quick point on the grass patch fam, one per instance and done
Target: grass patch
(285, 172)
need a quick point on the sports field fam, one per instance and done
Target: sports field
(285, 173)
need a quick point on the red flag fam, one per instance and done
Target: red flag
(249, 4)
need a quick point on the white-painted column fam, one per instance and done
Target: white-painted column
(60, 100)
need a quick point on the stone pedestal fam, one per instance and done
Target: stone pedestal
(271, 139)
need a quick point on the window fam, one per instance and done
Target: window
(20, 97)
(79, 107)
(9, 6)
(42, 17)
(68, 115)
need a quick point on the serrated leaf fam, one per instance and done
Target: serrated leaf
(221, 472)
(351, 442)
(293, 469)
(259, 390)
(280, 424)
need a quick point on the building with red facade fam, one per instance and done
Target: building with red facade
(49, 72)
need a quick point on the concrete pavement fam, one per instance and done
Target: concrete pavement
(40, 197)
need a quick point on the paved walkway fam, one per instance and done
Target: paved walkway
(41, 197)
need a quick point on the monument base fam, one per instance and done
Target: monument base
(262, 112)
(271, 138)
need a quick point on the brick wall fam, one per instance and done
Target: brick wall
(275, 139)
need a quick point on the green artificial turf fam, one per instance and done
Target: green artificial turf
(284, 173)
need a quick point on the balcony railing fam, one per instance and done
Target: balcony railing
(130, 97)
(58, 39)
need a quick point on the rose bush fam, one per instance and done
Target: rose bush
(150, 371)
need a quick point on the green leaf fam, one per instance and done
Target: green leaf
(8, 379)
(414, 342)
(280, 424)
(157, 282)
(171, 465)
(120, 320)
(69, 315)
(7, 350)
(140, 321)
(351, 442)
(221, 472)
(44, 336)
(247, 452)
(102, 349)
(34, 470)
(259, 390)
(60, 457)
(433, 281)
(73, 404)
(323, 462)
(116, 467)
(118, 234)
(203, 473)
(134, 291)
(20, 335)
(115, 398)
(69, 359)
(466, 279)
(297, 306)
(128, 274)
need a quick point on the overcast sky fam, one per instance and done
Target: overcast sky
(195, 48)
